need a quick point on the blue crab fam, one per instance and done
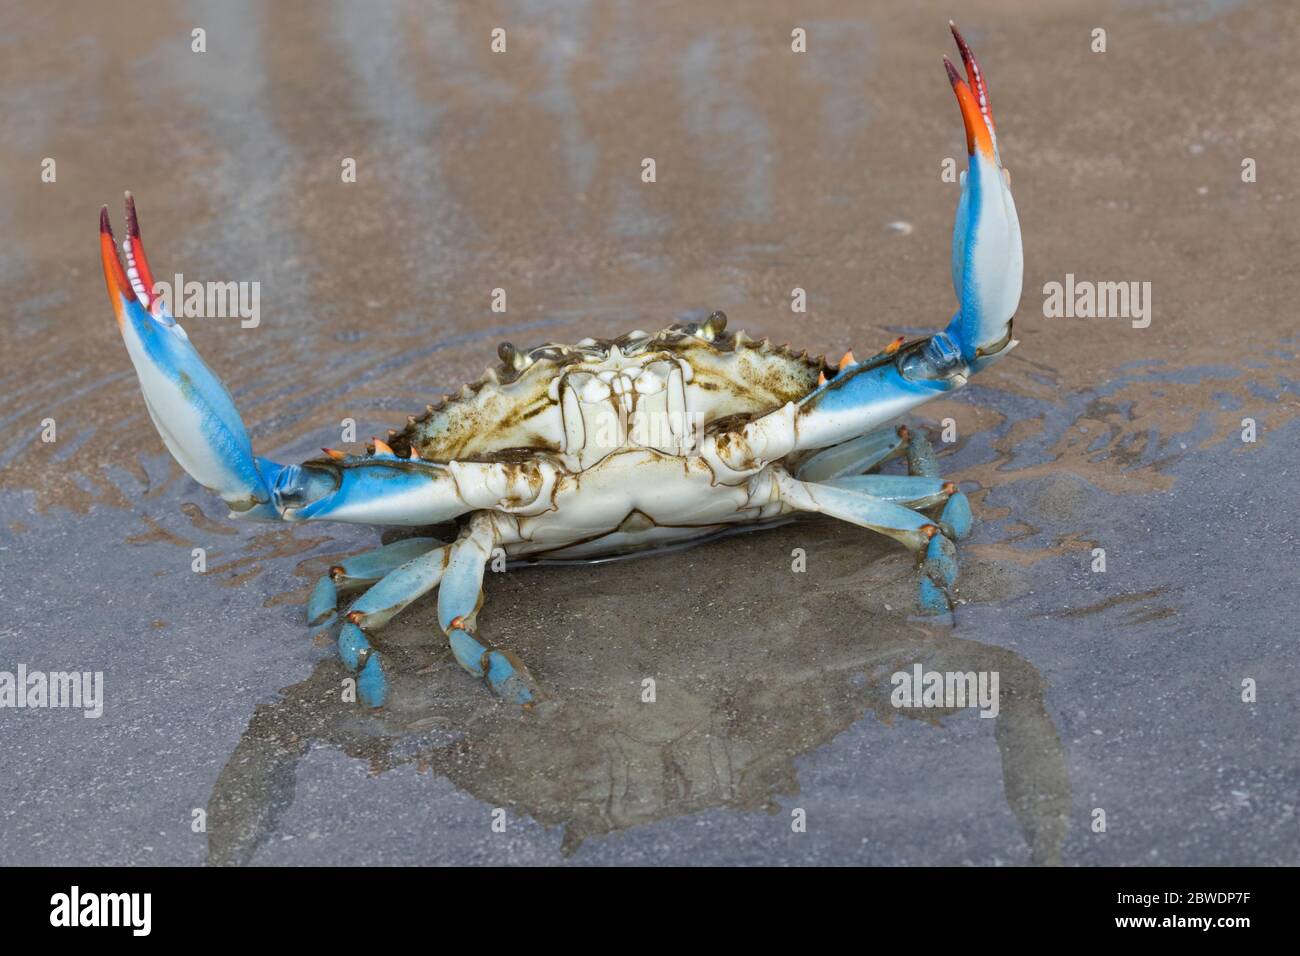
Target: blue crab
(607, 448)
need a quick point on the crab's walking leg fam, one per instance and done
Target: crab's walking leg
(376, 607)
(852, 457)
(910, 491)
(361, 570)
(847, 500)
(459, 599)
(921, 460)
(849, 460)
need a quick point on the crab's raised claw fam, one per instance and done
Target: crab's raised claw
(189, 406)
(987, 259)
(987, 268)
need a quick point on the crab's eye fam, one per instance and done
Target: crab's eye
(713, 326)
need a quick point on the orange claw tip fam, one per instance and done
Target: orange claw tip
(119, 287)
(335, 453)
(821, 379)
(847, 359)
(382, 448)
(978, 134)
(895, 345)
(415, 455)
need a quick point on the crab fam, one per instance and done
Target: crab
(607, 448)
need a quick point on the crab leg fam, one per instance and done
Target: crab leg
(910, 491)
(358, 656)
(375, 608)
(852, 457)
(417, 577)
(909, 528)
(987, 268)
(459, 599)
(845, 499)
(361, 570)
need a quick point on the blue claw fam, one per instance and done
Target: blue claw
(956, 516)
(377, 490)
(187, 403)
(987, 259)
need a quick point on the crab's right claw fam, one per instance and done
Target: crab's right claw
(189, 406)
(987, 259)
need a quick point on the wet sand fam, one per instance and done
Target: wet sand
(521, 171)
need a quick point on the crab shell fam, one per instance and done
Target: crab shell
(571, 400)
(600, 444)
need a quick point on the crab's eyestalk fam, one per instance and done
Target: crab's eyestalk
(987, 260)
(189, 406)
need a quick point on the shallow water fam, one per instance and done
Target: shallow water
(1119, 690)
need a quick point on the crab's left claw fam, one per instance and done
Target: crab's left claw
(987, 259)
(189, 406)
